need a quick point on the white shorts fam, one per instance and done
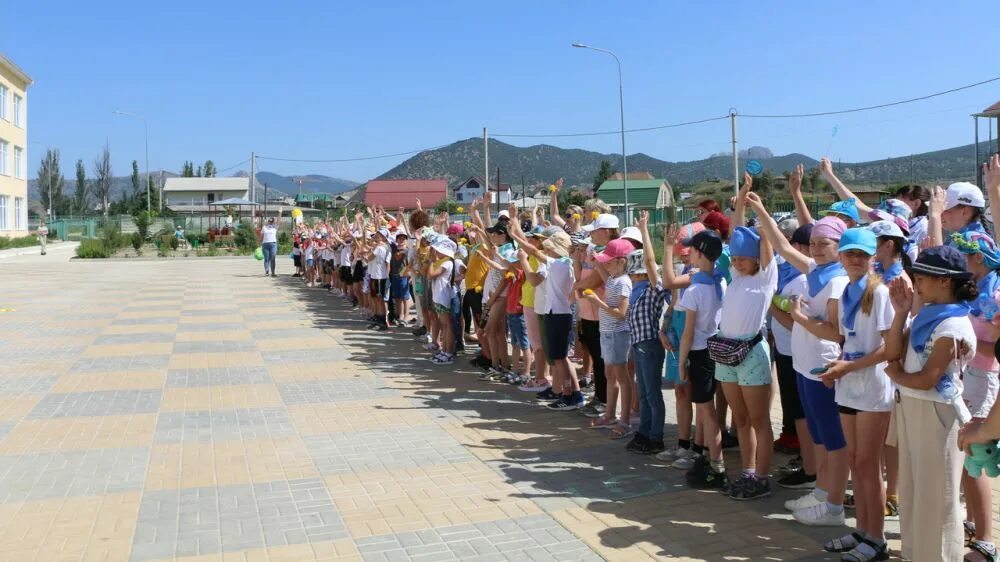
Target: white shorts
(980, 391)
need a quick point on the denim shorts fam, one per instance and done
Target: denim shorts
(518, 330)
(615, 347)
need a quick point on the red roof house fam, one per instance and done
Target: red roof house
(393, 194)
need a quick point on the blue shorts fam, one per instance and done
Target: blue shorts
(615, 347)
(822, 413)
(399, 287)
(518, 330)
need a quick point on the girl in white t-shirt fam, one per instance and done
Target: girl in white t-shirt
(815, 344)
(863, 391)
(929, 408)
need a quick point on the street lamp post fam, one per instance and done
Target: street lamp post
(621, 112)
(145, 127)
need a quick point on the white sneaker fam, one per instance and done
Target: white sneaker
(803, 502)
(819, 516)
(428, 339)
(673, 454)
(431, 346)
(685, 461)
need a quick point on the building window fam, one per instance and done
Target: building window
(3, 102)
(18, 111)
(3, 212)
(19, 162)
(19, 214)
(4, 170)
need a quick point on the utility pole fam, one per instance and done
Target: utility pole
(161, 192)
(486, 170)
(523, 196)
(736, 157)
(253, 174)
(498, 192)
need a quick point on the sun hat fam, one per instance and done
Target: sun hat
(707, 242)
(558, 243)
(942, 261)
(847, 208)
(617, 248)
(858, 239)
(445, 247)
(686, 233)
(964, 193)
(635, 263)
(604, 220)
(744, 243)
(887, 228)
(828, 227)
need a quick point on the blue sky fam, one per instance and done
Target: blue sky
(317, 80)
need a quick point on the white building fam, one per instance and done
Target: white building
(473, 188)
(187, 192)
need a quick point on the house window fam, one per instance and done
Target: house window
(3, 212)
(458, 196)
(211, 198)
(18, 111)
(19, 162)
(19, 214)
(4, 170)
(3, 102)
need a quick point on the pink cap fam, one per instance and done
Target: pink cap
(618, 248)
(456, 228)
(829, 227)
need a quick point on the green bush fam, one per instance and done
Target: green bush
(19, 242)
(137, 239)
(112, 239)
(284, 239)
(142, 222)
(245, 238)
(91, 248)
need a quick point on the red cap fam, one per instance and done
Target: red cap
(717, 221)
(456, 228)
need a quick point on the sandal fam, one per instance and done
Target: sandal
(866, 552)
(845, 543)
(603, 423)
(621, 431)
(987, 549)
(970, 532)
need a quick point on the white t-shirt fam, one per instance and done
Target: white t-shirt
(441, 285)
(558, 287)
(958, 328)
(269, 234)
(868, 390)
(782, 335)
(345, 255)
(378, 268)
(747, 299)
(705, 304)
(541, 302)
(615, 289)
(808, 351)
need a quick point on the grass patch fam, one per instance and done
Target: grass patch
(18, 242)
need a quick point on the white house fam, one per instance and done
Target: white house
(473, 187)
(187, 192)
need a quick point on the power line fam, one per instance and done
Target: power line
(358, 159)
(224, 170)
(871, 107)
(618, 132)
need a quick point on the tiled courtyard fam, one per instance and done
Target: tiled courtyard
(195, 410)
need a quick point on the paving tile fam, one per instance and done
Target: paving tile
(66, 434)
(134, 363)
(221, 425)
(15, 386)
(122, 380)
(37, 476)
(318, 392)
(228, 397)
(383, 449)
(142, 337)
(193, 464)
(214, 346)
(99, 403)
(195, 521)
(214, 327)
(221, 376)
(333, 353)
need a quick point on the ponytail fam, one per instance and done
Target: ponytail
(872, 284)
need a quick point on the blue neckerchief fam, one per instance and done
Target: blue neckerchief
(974, 226)
(928, 319)
(786, 274)
(822, 274)
(894, 271)
(715, 278)
(637, 290)
(988, 286)
(851, 299)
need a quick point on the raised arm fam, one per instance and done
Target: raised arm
(530, 275)
(935, 232)
(670, 279)
(740, 213)
(795, 190)
(991, 175)
(554, 205)
(826, 168)
(649, 255)
(769, 230)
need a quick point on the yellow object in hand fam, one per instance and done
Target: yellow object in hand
(468, 224)
(552, 188)
(509, 275)
(588, 292)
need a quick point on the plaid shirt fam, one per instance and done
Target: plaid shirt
(644, 315)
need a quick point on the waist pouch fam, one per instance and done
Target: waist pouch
(731, 352)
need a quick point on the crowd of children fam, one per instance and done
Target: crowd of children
(875, 326)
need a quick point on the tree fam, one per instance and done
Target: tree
(51, 183)
(82, 194)
(188, 171)
(103, 177)
(199, 172)
(603, 174)
(210, 170)
(135, 179)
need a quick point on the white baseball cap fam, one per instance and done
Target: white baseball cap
(445, 246)
(604, 220)
(964, 193)
(504, 214)
(632, 233)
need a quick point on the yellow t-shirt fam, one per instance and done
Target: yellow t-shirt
(527, 289)
(476, 271)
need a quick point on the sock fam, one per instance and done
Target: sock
(820, 494)
(684, 443)
(834, 509)
(698, 449)
(718, 465)
(751, 472)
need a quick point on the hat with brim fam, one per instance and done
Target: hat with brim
(618, 248)
(636, 263)
(942, 261)
(862, 239)
(887, 228)
(444, 247)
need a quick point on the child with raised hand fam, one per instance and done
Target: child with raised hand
(815, 344)
(442, 274)
(929, 408)
(742, 356)
(702, 302)
(863, 392)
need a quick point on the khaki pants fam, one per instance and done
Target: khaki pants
(930, 470)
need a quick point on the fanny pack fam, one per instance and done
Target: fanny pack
(731, 352)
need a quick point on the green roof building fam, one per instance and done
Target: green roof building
(642, 194)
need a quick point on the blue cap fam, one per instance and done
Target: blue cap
(847, 207)
(744, 243)
(858, 239)
(942, 261)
